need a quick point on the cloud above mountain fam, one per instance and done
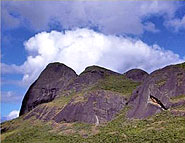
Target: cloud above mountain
(83, 47)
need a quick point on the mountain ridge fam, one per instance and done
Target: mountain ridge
(89, 104)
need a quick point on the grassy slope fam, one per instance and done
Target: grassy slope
(118, 84)
(163, 127)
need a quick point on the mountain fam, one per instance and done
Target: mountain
(100, 105)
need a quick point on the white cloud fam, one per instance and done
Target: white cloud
(13, 114)
(83, 47)
(177, 24)
(111, 17)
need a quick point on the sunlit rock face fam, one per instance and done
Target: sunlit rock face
(49, 84)
(165, 85)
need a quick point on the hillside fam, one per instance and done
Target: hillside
(100, 105)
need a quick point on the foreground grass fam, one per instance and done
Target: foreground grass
(163, 127)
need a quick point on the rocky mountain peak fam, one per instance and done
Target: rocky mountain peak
(51, 81)
(136, 74)
(98, 70)
(55, 71)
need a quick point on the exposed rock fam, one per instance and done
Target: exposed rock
(163, 85)
(178, 113)
(136, 75)
(97, 107)
(51, 81)
(4, 129)
(154, 95)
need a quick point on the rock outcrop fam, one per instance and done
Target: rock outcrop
(54, 78)
(95, 107)
(158, 91)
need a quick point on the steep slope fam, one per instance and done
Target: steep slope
(158, 92)
(51, 81)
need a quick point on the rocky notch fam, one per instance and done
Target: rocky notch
(158, 91)
(89, 77)
(51, 81)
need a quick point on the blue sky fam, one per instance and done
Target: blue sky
(118, 35)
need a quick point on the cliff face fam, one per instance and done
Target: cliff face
(49, 84)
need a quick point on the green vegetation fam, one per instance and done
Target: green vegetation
(117, 83)
(79, 126)
(182, 65)
(163, 127)
(177, 98)
(62, 100)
